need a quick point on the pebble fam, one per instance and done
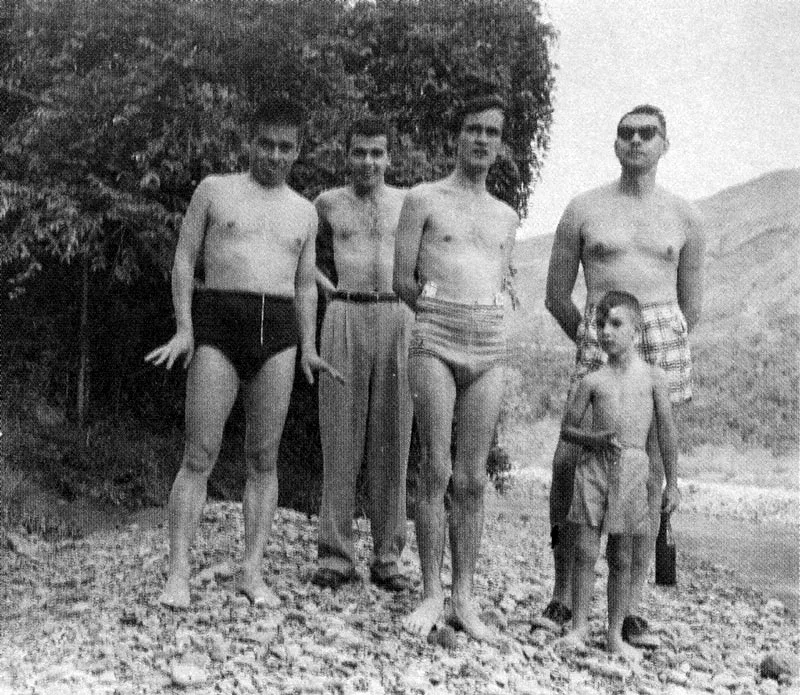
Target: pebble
(777, 664)
(444, 636)
(185, 674)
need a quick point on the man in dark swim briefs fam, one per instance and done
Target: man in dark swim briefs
(257, 237)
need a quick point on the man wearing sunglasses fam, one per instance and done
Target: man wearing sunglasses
(630, 235)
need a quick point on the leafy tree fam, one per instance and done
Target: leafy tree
(111, 113)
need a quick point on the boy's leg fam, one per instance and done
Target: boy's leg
(587, 548)
(623, 553)
(211, 388)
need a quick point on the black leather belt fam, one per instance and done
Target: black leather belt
(347, 296)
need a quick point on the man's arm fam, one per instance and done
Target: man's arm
(667, 440)
(190, 241)
(406, 248)
(562, 272)
(690, 269)
(326, 267)
(305, 291)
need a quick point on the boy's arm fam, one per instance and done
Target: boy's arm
(667, 441)
(571, 430)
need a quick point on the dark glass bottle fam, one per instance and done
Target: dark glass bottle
(665, 553)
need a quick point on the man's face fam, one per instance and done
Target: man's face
(368, 158)
(480, 139)
(273, 150)
(617, 333)
(640, 142)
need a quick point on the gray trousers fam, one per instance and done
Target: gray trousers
(366, 419)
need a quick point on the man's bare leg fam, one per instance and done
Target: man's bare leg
(587, 548)
(211, 388)
(620, 564)
(266, 404)
(434, 392)
(561, 489)
(477, 412)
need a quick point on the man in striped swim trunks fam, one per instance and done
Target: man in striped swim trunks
(365, 336)
(453, 246)
(634, 236)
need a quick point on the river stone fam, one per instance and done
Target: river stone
(777, 664)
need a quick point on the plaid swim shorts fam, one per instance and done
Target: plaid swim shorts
(664, 343)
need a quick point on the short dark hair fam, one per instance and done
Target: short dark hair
(279, 111)
(477, 105)
(648, 110)
(369, 126)
(616, 298)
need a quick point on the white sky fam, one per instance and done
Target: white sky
(725, 72)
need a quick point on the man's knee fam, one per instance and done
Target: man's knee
(586, 549)
(199, 458)
(468, 485)
(434, 476)
(262, 460)
(619, 556)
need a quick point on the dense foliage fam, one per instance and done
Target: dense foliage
(111, 113)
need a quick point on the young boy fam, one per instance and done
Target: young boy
(610, 493)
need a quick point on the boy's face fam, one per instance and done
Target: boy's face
(273, 150)
(617, 333)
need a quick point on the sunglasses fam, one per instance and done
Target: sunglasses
(646, 132)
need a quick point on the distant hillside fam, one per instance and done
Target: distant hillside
(746, 345)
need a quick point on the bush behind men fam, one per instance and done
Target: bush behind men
(634, 236)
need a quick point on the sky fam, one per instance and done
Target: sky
(725, 72)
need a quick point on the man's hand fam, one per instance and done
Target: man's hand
(607, 443)
(670, 499)
(312, 362)
(181, 343)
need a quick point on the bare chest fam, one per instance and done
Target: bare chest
(649, 233)
(367, 222)
(260, 226)
(459, 224)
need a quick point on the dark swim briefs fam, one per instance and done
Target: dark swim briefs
(247, 328)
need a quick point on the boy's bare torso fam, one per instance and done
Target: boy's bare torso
(363, 231)
(253, 236)
(465, 243)
(632, 243)
(622, 401)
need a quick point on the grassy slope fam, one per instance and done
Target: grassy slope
(746, 345)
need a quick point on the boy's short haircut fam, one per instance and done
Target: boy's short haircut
(369, 126)
(616, 298)
(648, 110)
(279, 111)
(477, 105)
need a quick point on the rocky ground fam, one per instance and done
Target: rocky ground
(80, 617)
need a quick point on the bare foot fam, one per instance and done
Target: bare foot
(258, 592)
(616, 645)
(574, 639)
(176, 592)
(424, 616)
(464, 616)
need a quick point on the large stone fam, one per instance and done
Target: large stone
(776, 665)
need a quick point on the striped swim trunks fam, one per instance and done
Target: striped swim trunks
(664, 343)
(469, 338)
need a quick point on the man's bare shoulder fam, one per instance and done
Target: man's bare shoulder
(327, 200)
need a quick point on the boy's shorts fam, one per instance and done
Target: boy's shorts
(611, 493)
